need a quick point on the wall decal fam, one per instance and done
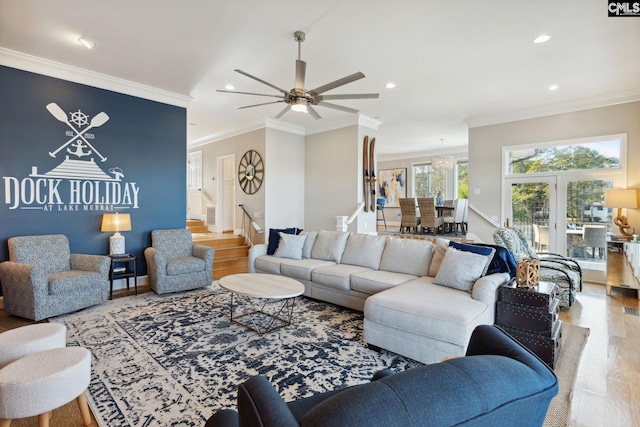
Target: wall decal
(78, 182)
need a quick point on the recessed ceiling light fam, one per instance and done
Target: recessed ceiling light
(553, 87)
(390, 85)
(542, 38)
(89, 44)
(229, 87)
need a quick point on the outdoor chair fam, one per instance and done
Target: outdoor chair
(564, 272)
(594, 236)
(429, 219)
(44, 279)
(175, 264)
(408, 220)
(540, 237)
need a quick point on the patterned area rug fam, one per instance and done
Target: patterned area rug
(174, 360)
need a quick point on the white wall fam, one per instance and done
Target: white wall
(485, 151)
(284, 180)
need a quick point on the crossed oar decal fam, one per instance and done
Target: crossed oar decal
(98, 120)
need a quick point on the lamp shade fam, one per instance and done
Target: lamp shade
(621, 198)
(116, 222)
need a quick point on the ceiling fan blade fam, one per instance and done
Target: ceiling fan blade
(301, 69)
(257, 105)
(337, 107)
(349, 96)
(248, 93)
(337, 83)
(260, 80)
(281, 113)
(313, 113)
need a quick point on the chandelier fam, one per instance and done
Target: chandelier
(442, 162)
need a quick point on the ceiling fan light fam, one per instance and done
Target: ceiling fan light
(299, 105)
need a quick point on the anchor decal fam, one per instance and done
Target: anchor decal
(79, 119)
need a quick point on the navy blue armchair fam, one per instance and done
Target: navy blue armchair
(497, 383)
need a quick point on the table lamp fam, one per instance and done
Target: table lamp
(116, 222)
(621, 198)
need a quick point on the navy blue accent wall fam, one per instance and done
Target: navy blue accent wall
(132, 162)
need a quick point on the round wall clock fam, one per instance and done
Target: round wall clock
(250, 172)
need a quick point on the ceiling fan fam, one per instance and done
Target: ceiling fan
(299, 99)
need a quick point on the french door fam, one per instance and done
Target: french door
(558, 213)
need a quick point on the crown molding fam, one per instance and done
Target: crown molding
(265, 123)
(342, 122)
(275, 124)
(34, 64)
(623, 97)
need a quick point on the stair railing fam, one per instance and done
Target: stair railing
(254, 227)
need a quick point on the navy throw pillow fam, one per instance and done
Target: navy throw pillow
(274, 237)
(471, 248)
(503, 261)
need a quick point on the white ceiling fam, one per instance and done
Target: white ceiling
(454, 62)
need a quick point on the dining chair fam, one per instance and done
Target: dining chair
(465, 215)
(428, 216)
(380, 202)
(408, 220)
(456, 220)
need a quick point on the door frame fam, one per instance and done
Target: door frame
(223, 199)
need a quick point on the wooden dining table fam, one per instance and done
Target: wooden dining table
(445, 210)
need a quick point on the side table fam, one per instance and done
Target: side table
(531, 316)
(123, 267)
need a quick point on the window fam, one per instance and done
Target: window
(595, 155)
(462, 173)
(427, 182)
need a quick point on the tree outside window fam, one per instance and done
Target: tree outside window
(427, 182)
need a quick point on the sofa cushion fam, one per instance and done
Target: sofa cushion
(290, 246)
(274, 237)
(371, 282)
(329, 245)
(185, 265)
(268, 264)
(364, 250)
(480, 250)
(301, 268)
(408, 256)
(336, 276)
(461, 269)
(308, 244)
(70, 281)
(423, 308)
(440, 248)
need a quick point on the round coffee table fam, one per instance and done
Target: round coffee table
(255, 292)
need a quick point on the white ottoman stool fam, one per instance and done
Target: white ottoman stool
(30, 339)
(39, 383)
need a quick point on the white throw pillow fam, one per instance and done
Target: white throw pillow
(290, 246)
(460, 269)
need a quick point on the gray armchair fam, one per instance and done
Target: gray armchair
(175, 264)
(43, 278)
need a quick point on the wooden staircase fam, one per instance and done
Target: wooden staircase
(232, 255)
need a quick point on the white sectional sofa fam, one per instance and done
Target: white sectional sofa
(393, 280)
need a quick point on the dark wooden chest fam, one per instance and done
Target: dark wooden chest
(545, 348)
(531, 317)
